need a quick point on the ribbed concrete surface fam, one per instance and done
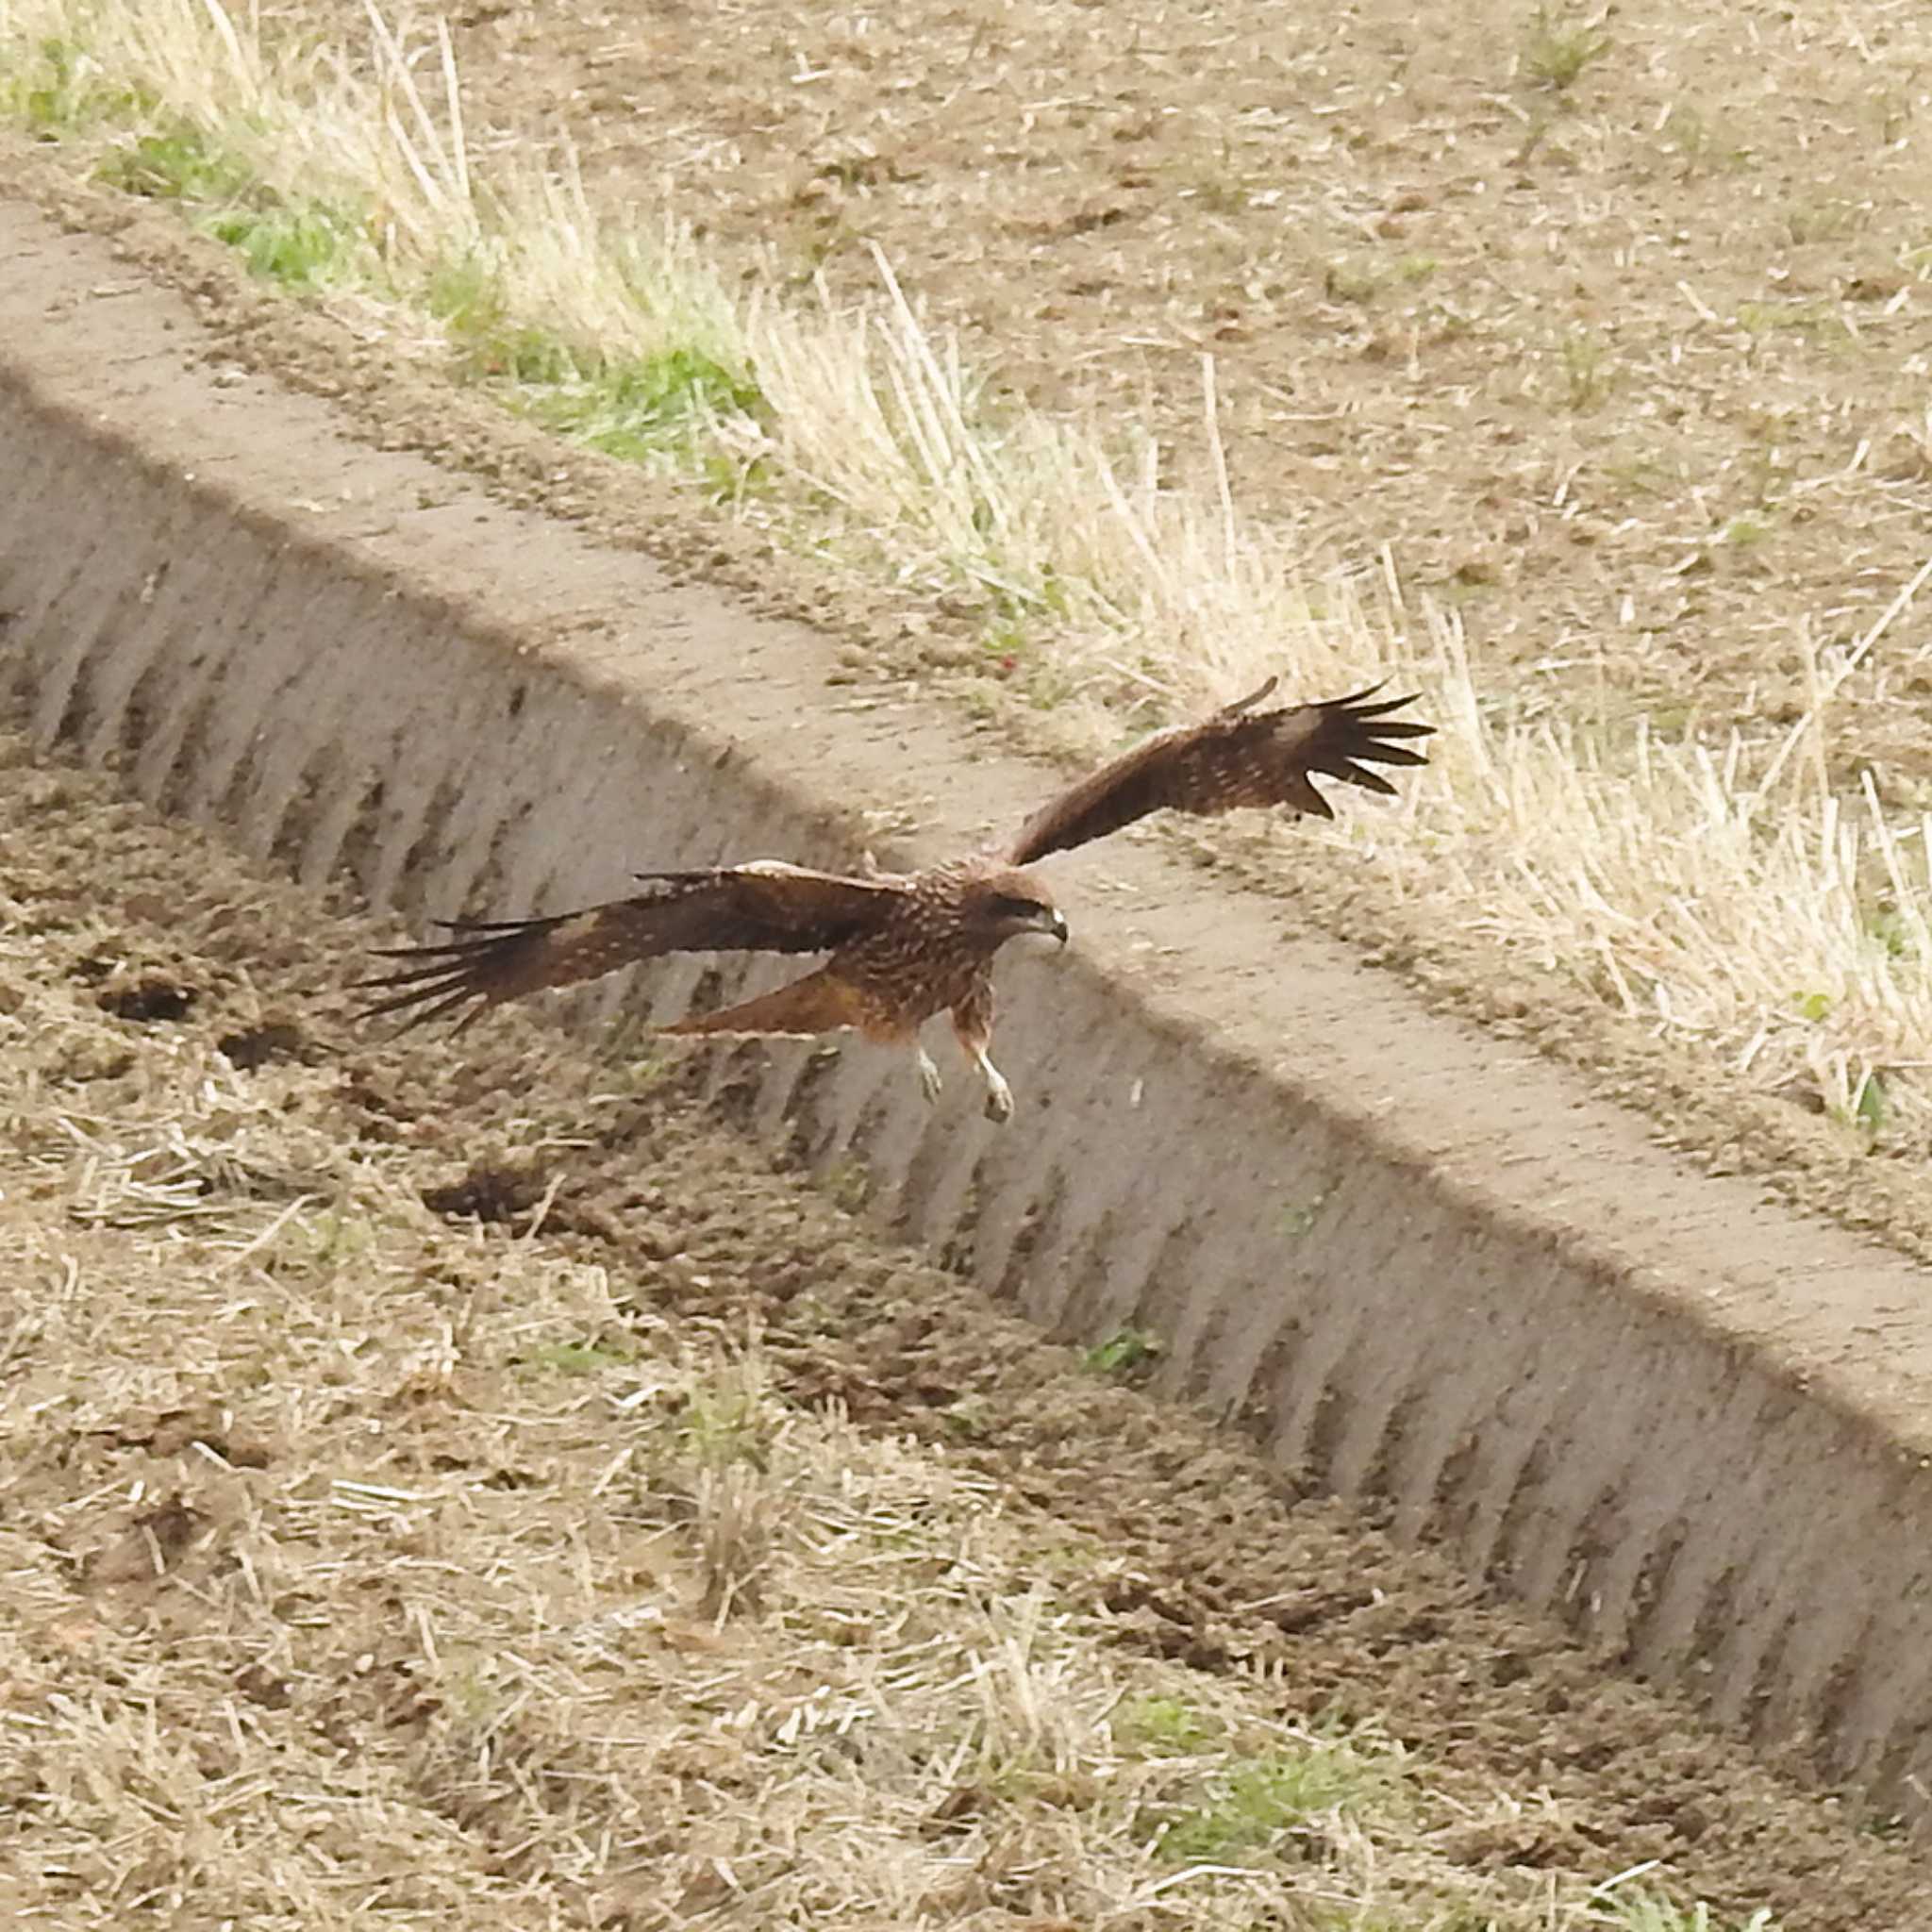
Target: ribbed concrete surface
(1687, 1422)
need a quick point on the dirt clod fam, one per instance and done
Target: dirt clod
(147, 1001)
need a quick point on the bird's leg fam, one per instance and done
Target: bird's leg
(999, 1097)
(973, 1029)
(929, 1081)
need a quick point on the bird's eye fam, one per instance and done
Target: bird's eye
(1012, 907)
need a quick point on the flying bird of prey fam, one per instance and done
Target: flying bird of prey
(903, 946)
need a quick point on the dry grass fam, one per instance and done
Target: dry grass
(364, 1564)
(1725, 893)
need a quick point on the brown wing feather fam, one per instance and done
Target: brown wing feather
(819, 1003)
(765, 908)
(1239, 756)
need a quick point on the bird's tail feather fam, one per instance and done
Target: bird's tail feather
(819, 1003)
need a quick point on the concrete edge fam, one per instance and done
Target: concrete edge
(1692, 1425)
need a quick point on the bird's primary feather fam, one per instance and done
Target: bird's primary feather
(766, 906)
(1241, 756)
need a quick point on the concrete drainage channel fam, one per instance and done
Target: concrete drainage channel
(1416, 1258)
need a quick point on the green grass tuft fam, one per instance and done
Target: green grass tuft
(301, 248)
(720, 1423)
(1872, 1104)
(1586, 370)
(489, 344)
(1893, 931)
(1349, 281)
(61, 92)
(1556, 52)
(1298, 1218)
(848, 1181)
(1247, 1808)
(1649, 1911)
(301, 245)
(574, 1358)
(634, 408)
(177, 163)
(1815, 321)
(1164, 1728)
(1121, 1353)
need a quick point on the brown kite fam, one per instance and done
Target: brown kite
(903, 946)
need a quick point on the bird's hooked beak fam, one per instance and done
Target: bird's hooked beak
(1029, 919)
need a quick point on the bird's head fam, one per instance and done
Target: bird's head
(1010, 902)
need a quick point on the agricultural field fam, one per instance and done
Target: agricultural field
(416, 1510)
(420, 1510)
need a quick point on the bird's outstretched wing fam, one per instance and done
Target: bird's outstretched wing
(766, 908)
(1240, 755)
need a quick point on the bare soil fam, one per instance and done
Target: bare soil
(1629, 367)
(344, 1573)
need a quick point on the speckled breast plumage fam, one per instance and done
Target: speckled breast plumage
(926, 959)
